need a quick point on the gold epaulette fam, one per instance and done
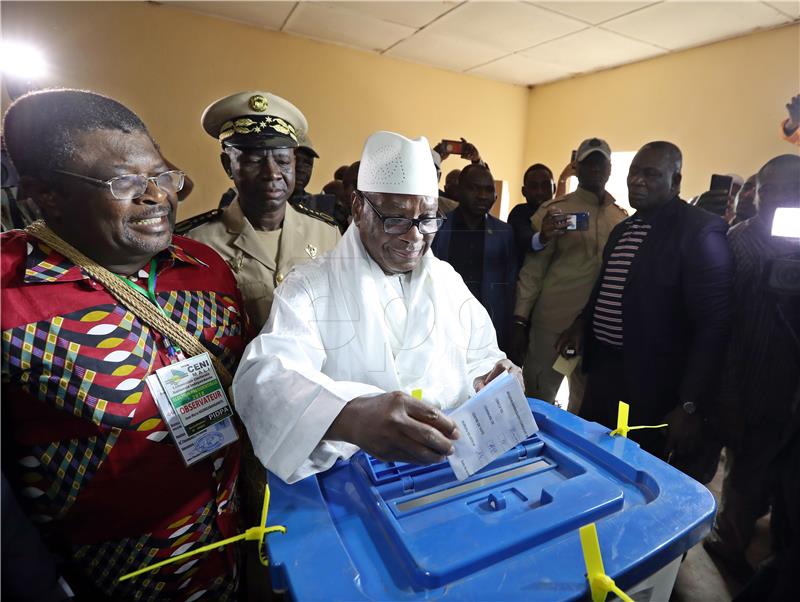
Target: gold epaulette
(323, 217)
(191, 223)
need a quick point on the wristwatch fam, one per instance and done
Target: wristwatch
(689, 407)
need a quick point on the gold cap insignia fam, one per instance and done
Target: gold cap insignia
(258, 103)
(311, 251)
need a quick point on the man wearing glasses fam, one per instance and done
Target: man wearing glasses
(260, 234)
(85, 447)
(353, 334)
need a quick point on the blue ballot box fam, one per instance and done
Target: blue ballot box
(371, 530)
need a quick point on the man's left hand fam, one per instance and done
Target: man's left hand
(470, 152)
(685, 431)
(500, 367)
(793, 107)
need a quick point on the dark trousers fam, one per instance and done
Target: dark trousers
(745, 490)
(606, 386)
(776, 578)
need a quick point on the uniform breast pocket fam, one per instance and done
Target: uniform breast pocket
(257, 298)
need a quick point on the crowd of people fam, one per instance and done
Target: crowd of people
(323, 312)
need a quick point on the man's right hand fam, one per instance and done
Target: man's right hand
(441, 148)
(714, 201)
(554, 224)
(571, 338)
(396, 427)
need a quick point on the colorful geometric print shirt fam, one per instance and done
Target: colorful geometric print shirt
(84, 444)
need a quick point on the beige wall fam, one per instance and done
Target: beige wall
(721, 104)
(167, 64)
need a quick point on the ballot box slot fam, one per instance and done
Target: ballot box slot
(382, 473)
(423, 501)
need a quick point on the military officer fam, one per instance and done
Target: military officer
(259, 233)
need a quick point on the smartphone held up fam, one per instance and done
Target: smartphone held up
(577, 221)
(453, 147)
(721, 183)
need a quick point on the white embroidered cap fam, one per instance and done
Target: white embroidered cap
(736, 178)
(395, 164)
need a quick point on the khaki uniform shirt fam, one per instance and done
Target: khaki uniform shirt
(555, 283)
(259, 260)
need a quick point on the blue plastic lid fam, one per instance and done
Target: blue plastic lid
(368, 529)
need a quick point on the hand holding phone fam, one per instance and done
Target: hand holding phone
(453, 147)
(554, 224)
(722, 183)
(578, 221)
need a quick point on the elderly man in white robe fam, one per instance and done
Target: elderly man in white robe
(353, 334)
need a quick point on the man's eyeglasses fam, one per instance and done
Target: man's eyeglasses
(132, 186)
(401, 225)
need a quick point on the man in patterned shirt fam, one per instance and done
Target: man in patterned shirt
(655, 327)
(85, 447)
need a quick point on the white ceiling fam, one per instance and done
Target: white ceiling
(524, 43)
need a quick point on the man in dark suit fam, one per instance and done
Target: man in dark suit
(480, 247)
(759, 399)
(657, 323)
(537, 187)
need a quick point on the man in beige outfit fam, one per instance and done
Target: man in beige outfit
(555, 282)
(259, 234)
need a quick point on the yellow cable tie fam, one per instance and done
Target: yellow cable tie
(620, 594)
(654, 426)
(622, 422)
(600, 584)
(183, 556)
(258, 534)
(417, 394)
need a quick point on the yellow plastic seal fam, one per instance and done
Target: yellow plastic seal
(258, 534)
(622, 422)
(600, 584)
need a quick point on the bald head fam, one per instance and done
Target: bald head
(788, 162)
(668, 150)
(466, 173)
(778, 185)
(655, 176)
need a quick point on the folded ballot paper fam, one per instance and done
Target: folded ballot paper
(491, 423)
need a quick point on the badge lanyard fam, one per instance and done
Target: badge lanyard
(173, 351)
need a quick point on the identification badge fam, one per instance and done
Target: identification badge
(194, 406)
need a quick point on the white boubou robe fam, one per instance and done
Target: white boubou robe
(340, 328)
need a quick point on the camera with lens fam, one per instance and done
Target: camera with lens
(783, 275)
